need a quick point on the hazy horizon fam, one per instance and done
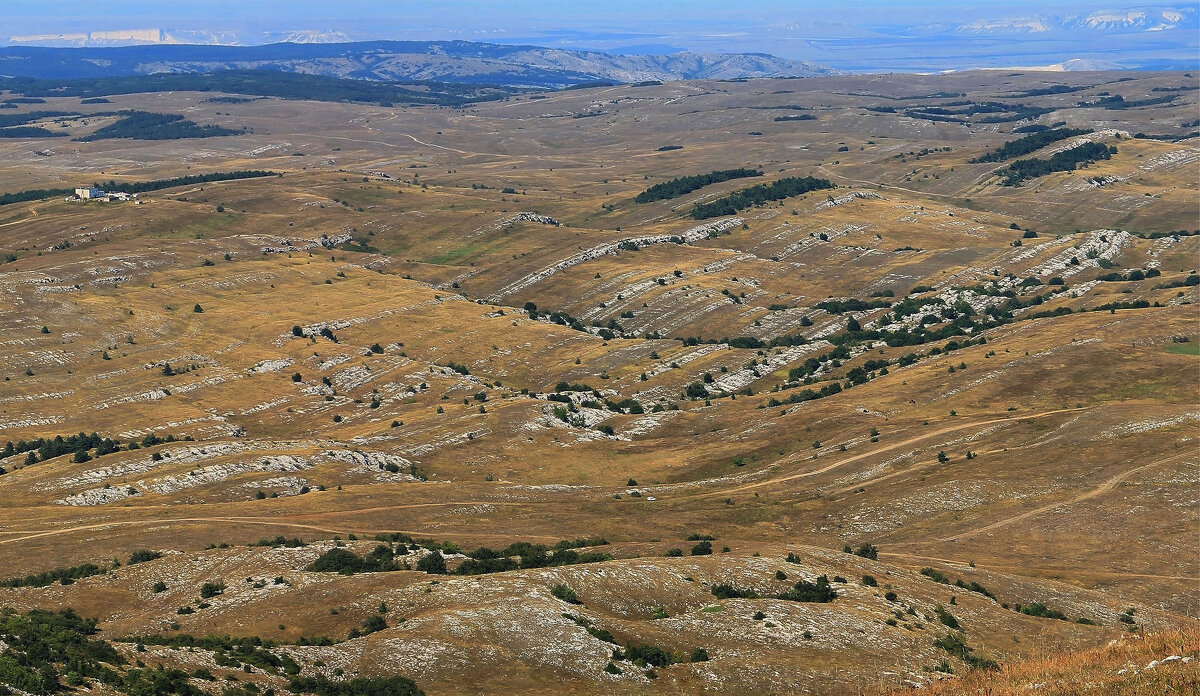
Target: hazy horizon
(856, 35)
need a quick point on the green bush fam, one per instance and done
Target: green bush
(211, 589)
(946, 618)
(935, 575)
(361, 686)
(41, 644)
(65, 576)
(804, 591)
(339, 560)
(1041, 610)
(956, 645)
(726, 591)
(565, 593)
(433, 563)
(142, 556)
(642, 655)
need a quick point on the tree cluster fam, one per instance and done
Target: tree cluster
(686, 184)
(1029, 143)
(144, 125)
(759, 195)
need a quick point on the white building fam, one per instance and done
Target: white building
(87, 193)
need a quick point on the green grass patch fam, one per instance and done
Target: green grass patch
(1190, 348)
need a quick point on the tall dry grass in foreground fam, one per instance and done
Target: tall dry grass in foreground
(1119, 669)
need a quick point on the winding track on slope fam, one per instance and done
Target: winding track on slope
(1017, 569)
(1101, 489)
(888, 448)
(267, 521)
(281, 521)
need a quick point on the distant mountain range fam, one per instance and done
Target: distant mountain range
(1100, 21)
(1150, 37)
(440, 61)
(145, 37)
(1153, 37)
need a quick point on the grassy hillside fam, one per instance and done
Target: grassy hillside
(449, 330)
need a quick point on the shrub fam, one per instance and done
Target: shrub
(359, 686)
(142, 556)
(1041, 610)
(704, 548)
(866, 550)
(935, 575)
(956, 645)
(283, 542)
(870, 581)
(804, 591)
(433, 563)
(211, 589)
(565, 593)
(374, 623)
(642, 655)
(946, 618)
(974, 587)
(339, 560)
(699, 655)
(727, 591)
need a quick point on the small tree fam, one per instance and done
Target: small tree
(433, 563)
(211, 589)
(198, 309)
(565, 593)
(143, 555)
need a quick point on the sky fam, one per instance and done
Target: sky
(851, 34)
(401, 19)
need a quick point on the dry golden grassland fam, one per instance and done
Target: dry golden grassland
(1054, 463)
